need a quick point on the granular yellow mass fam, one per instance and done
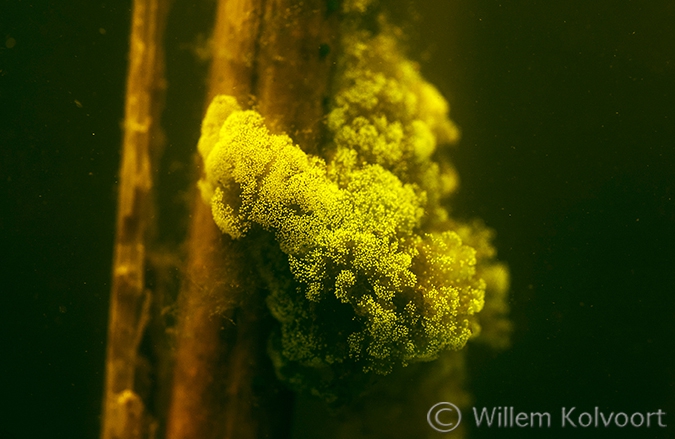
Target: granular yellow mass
(365, 269)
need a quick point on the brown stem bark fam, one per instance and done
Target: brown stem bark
(296, 51)
(269, 52)
(211, 392)
(124, 413)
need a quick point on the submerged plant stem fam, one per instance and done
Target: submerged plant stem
(124, 412)
(261, 51)
(208, 400)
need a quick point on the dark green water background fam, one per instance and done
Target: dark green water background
(568, 116)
